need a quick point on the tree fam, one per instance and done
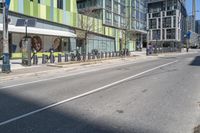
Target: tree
(126, 31)
(87, 24)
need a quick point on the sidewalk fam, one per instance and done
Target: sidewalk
(18, 70)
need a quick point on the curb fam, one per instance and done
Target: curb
(29, 74)
(95, 61)
(68, 66)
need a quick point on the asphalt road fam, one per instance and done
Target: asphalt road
(152, 96)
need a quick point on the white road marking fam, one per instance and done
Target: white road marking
(83, 95)
(64, 76)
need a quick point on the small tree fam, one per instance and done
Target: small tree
(87, 24)
(126, 31)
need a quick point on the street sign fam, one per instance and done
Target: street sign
(8, 3)
(188, 34)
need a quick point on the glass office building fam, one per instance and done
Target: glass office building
(125, 15)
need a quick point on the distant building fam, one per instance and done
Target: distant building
(191, 23)
(166, 21)
(127, 15)
(197, 26)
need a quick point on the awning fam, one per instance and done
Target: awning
(38, 31)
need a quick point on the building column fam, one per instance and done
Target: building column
(141, 40)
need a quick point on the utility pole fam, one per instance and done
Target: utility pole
(6, 57)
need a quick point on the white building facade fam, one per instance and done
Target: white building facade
(166, 22)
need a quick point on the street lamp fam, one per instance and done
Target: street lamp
(147, 46)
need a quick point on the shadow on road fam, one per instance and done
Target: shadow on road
(53, 120)
(196, 61)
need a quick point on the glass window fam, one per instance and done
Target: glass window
(115, 6)
(60, 4)
(171, 34)
(156, 34)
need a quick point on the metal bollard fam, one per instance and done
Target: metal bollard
(93, 56)
(106, 54)
(59, 57)
(98, 55)
(115, 54)
(109, 54)
(102, 55)
(51, 57)
(84, 57)
(66, 57)
(112, 54)
(89, 56)
(43, 59)
(35, 59)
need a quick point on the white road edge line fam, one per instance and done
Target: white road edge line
(83, 95)
(64, 76)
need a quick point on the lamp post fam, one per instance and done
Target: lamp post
(6, 56)
(147, 46)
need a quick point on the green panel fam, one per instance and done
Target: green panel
(26, 7)
(68, 18)
(71, 19)
(48, 12)
(55, 17)
(31, 8)
(35, 8)
(11, 5)
(16, 5)
(73, 6)
(60, 16)
(55, 3)
(42, 12)
(48, 2)
(74, 19)
(67, 5)
(39, 11)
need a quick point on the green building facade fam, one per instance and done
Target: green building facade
(63, 15)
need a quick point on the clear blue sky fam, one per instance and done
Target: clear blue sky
(189, 8)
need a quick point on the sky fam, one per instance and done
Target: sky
(189, 8)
